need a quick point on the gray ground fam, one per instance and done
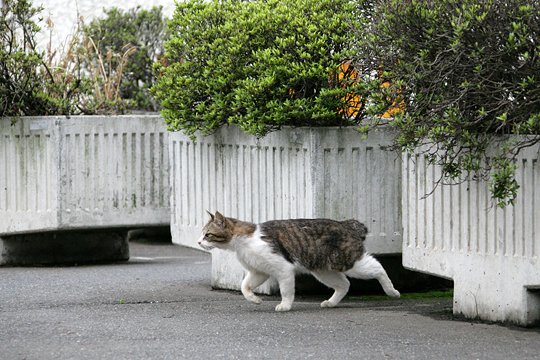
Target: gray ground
(160, 305)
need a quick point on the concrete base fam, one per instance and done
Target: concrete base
(500, 292)
(64, 248)
(159, 234)
(458, 232)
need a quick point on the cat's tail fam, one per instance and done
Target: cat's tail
(357, 227)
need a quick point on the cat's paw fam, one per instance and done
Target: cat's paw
(283, 307)
(394, 294)
(254, 299)
(327, 304)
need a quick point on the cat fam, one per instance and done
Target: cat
(330, 250)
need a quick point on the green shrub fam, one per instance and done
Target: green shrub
(259, 64)
(90, 76)
(143, 29)
(28, 86)
(469, 75)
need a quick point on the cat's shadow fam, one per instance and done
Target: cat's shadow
(312, 306)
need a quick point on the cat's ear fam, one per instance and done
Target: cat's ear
(211, 215)
(220, 219)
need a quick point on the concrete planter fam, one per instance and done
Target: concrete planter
(82, 173)
(490, 253)
(291, 173)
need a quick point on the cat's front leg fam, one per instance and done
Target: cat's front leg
(251, 282)
(286, 288)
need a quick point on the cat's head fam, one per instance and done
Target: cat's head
(216, 233)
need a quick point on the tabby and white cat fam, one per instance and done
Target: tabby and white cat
(330, 250)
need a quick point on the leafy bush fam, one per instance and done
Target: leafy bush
(104, 74)
(259, 64)
(90, 76)
(469, 75)
(118, 32)
(27, 85)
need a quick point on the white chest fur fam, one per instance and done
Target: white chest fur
(256, 254)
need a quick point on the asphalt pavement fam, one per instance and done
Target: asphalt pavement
(160, 305)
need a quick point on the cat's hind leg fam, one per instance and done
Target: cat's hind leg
(335, 280)
(252, 280)
(369, 268)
